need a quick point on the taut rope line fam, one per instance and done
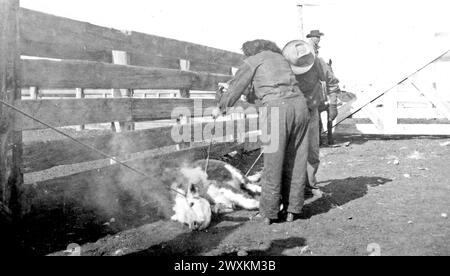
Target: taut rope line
(83, 144)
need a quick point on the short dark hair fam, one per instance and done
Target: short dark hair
(254, 47)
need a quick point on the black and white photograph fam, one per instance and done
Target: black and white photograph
(224, 134)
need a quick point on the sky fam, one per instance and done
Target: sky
(370, 41)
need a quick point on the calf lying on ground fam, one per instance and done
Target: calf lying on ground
(222, 186)
(188, 206)
(227, 188)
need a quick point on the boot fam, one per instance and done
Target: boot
(267, 221)
(290, 217)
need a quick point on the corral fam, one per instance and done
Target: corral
(106, 88)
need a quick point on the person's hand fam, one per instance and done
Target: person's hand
(216, 113)
(251, 98)
(332, 112)
(223, 87)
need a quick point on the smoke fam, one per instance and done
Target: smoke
(124, 194)
(131, 197)
(194, 175)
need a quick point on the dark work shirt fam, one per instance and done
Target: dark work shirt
(311, 86)
(270, 76)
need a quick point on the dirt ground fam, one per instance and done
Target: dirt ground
(382, 196)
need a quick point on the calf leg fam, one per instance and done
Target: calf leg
(256, 189)
(241, 200)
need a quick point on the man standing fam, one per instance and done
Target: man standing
(314, 37)
(310, 84)
(275, 85)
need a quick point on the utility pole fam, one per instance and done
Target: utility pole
(301, 8)
(301, 27)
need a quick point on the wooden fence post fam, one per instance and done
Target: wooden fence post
(122, 58)
(34, 93)
(11, 178)
(236, 116)
(390, 113)
(185, 65)
(80, 95)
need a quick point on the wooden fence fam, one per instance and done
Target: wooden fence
(79, 56)
(41, 53)
(420, 105)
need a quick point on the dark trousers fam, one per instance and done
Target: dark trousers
(313, 147)
(284, 173)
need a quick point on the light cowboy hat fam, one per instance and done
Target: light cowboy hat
(301, 56)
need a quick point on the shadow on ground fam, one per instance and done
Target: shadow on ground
(360, 139)
(192, 243)
(339, 192)
(336, 193)
(277, 247)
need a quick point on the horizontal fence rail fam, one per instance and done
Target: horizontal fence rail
(97, 75)
(406, 110)
(70, 112)
(45, 35)
(44, 155)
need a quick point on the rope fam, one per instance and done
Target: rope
(379, 96)
(254, 163)
(82, 144)
(210, 144)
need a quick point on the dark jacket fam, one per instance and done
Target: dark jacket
(311, 86)
(270, 76)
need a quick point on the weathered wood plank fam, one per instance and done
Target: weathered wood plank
(198, 66)
(156, 109)
(160, 109)
(62, 188)
(71, 112)
(44, 155)
(11, 179)
(34, 93)
(146, 60)
(101, 175)
(84, 187)
(46, 35)
(121, 58)
(96, 75)
(185, 65)
(79, 94)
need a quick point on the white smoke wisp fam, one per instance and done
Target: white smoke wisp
(194, 175)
